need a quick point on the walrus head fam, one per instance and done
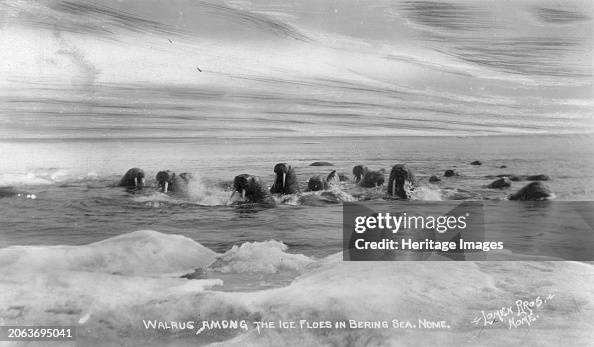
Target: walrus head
(359, 171)
(250, 187)
(285, 181)
(133, 178)
(316, 183)
(281, 170)
(240, 185)
(402, 181)
(165, 180)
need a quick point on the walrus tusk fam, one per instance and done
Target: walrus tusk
(284, 177)
(166, 187)
(243, 195)
(393, 187)
(142, 181)
(135, 181)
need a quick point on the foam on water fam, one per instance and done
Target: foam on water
(154, 199)
(35, 177)
(197, 192)
(45, 176)
(204, 194)
(333, 195)
(427, 193)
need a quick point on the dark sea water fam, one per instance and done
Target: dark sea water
(77, 201)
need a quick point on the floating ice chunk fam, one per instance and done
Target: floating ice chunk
(140, 253)
(267, 257)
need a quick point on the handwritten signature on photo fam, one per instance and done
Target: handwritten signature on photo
(521, 313)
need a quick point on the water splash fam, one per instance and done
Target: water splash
(202, 193)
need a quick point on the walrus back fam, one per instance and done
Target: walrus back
(256, 192)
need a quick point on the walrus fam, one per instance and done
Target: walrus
(316, 183)
(450, 173)
(402, 182)
(333, 179)
(533, 192)
(367, 178)
(434, 179)
(170, 182)
(285, 181)
(133, 178)
(500, 183)
(477, 163)
(164, 180)
(321, 163)
(251, 189)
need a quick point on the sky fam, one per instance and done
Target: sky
(132, 68)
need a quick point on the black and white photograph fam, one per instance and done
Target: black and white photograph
(296, 173)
